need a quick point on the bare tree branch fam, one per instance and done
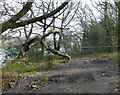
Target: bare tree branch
(10, 24)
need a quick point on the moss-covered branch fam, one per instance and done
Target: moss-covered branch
(22, 12)
(12, 25)
(12, 21)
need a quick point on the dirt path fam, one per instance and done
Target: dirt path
(82, 75)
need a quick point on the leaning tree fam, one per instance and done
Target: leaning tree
(16, 21)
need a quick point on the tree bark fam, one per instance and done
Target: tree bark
(26, 46)
(59, 41)
(106, 18)
(55, 51)
(55, 42)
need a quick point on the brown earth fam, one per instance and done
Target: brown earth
(80, 75)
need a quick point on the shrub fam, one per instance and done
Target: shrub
(49, 61)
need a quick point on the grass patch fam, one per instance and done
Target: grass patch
(19, 68)
(55, 56)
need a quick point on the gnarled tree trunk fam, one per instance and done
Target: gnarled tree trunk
(27, 45)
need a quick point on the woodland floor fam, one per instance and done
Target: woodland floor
(80, 75)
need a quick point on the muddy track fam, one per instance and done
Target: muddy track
(81, 75)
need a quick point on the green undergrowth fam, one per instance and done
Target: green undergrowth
(20, 66)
